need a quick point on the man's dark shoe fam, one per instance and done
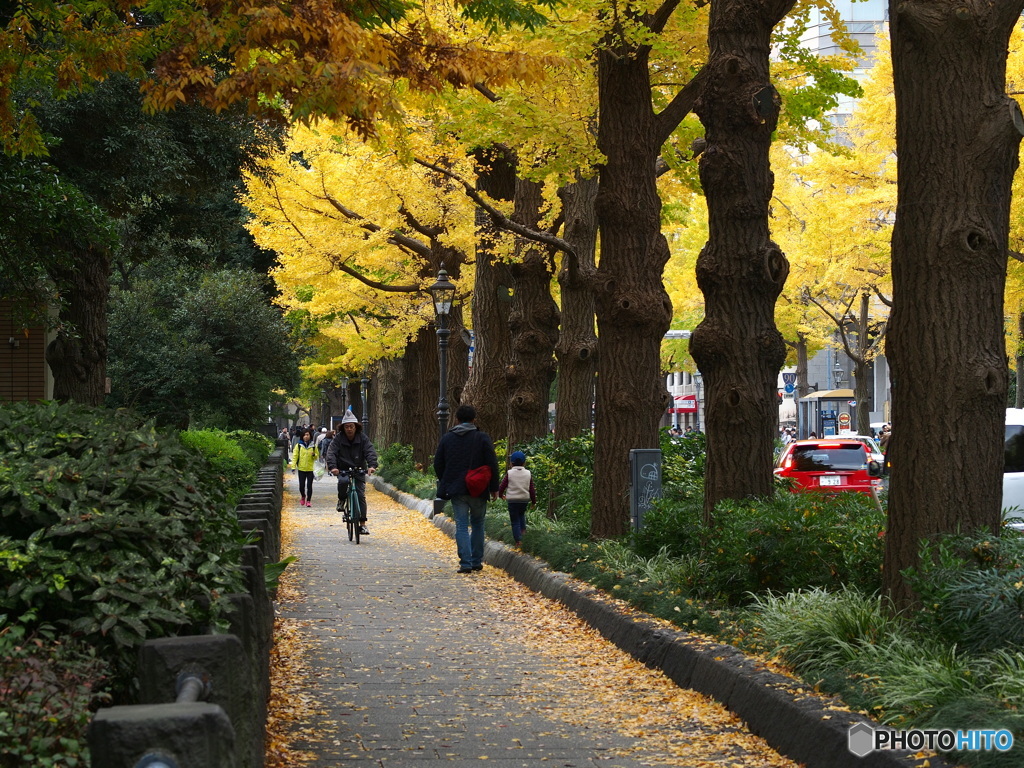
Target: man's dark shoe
(363, 530)
(464, 570)
(478, 567)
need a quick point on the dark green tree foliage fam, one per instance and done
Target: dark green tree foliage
(199, 346)
(43, 219)
(110, 530)
(170, 180)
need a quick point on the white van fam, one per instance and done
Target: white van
(1013, 469)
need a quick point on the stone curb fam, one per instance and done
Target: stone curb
(800, 724)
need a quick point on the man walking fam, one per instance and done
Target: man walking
(464, 448)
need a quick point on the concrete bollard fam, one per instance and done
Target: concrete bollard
(197, 734)
(221, 663)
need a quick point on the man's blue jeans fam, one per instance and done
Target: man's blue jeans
(469, 513)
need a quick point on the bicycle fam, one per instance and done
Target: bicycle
(348, 501)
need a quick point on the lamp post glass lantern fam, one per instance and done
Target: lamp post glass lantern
(443, 294)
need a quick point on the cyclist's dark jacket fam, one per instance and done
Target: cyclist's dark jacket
(462, 448)
(348, 454)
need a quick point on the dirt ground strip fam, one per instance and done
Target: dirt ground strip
(385, 655)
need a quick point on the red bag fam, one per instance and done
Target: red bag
(477, 480)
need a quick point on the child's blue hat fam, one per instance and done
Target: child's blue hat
(518, 458)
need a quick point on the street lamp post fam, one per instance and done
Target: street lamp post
(697, 379)
(838, 374)
(365, 394)
(324, 406)
(443, 293)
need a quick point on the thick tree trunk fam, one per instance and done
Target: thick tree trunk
(633, 308)
(577, 342)
(957, 136)
(533, 324)
(78, 356)
(421, 384)
(487, 389)
(390, 413)
(419, 395)
(741, 271)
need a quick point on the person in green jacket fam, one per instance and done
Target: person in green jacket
(304, 456)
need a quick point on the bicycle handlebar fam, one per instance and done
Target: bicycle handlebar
(343, 474)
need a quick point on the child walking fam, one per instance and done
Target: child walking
(517, 488)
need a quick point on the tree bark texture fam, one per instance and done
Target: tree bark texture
(633, 309)
(419, 395)
(740, 271)
(957, 136)
(533, 324)
(421, 384)
(576, 350)
(487, 389)
(389, 414)
(78, 356)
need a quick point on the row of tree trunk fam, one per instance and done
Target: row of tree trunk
(958, 135)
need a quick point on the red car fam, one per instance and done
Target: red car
(830, 465)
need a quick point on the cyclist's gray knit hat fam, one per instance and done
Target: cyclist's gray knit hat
(349, 417)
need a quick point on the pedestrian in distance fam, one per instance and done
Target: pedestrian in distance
(325, 444)
(349, 450)
(464, 448)
(304, 456)
(517, 489)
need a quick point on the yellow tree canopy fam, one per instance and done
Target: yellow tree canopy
(354, 229)
(1015, 268)
(832, 214)
(333, 58)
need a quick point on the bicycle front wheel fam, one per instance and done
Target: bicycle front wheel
(352, 527)
(355, 513)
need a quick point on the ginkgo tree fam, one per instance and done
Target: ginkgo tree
(292, 60)
(360, 235)
(833, 213)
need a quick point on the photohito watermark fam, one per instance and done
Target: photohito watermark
(862, 739)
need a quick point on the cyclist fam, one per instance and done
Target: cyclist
(351, 449)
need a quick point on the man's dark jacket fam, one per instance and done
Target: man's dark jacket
(463, 448)
(348, 454)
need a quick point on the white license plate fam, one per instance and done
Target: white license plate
(830, 480)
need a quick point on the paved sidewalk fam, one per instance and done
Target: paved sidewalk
(411, 661)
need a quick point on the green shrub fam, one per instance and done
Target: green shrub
(114, 532)
(398, 468)
(563, 474)
(49, 691)
(227, 458)
(791, 541)
(256, 447)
